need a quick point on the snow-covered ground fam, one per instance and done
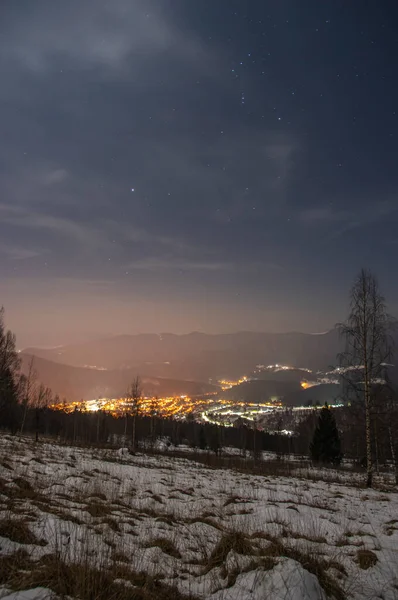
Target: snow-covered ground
(165, 525)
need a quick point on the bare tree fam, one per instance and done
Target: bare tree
(41, 401)
(134, 396)
(27, 390)
(153, 410)
(367, 334)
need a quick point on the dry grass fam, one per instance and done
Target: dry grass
(232, 500)
(318, 567)
(18, 531)
(366, 559)
(235, 541)
(24, 489)
(58, 512)
(80, 580)
(95, 509)
(207, 521)
(112, 523)
(166, 545)
(310, 560)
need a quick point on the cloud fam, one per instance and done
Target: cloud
(17, 253)
(105, 35)
(323, 214)
(29, 219)
(341, 221)
(178, 264)
(91, 236)
(211, 264)
(55, 176)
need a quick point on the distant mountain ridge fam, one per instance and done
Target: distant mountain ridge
(77, 383)
(198, 356)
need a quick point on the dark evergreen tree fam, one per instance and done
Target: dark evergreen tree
(325, 446)
(202, 439)
(9, 375)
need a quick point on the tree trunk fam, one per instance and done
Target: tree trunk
(125, 429)
(369, 466)
(376, 448)
(368, 429)
(393, 454)
(24, 416)
(37, 419)
(133, 434)
(74, 426)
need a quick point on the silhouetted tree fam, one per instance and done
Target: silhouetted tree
(153, 410)
(215, 441)
(41, 401)
(202, 438)
(367, 334)
(9, 376)
(134, 397)
(27, 390)
(325, 446)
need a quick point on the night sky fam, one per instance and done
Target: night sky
(211, 165)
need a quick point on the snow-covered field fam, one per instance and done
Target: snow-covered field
(105, 524)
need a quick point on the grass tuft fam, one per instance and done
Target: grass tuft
(167, 546)
(18, 531)
(98, 510)
(235, 541)
(81, 580)
(366, 559)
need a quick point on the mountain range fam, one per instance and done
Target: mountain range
(198, 356)
(172, 364)
(191, 364)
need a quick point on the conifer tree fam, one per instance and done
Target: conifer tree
(202, 439)
(9, 368)
(325, 446)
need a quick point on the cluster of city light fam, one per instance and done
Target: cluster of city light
(226, 412)
(171, 406)
(305, 384)
(277, 367)
(227, 384)
(207, 407)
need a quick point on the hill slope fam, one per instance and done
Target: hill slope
(76, 383)
(92, 523)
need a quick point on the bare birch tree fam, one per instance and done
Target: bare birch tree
(134, 396)
(153, 410)
(367, 334)
(28, 386)
(41, 401)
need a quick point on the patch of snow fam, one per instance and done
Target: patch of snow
(38, 593)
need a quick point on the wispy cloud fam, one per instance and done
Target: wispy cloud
(18, 253)
(319, 215)
(96, 234)
(54, 176)
(101, 35)
(211, 264)
(178, 264)
(341, 221)
(29, 219)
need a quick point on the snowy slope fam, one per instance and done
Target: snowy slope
(210, 534)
